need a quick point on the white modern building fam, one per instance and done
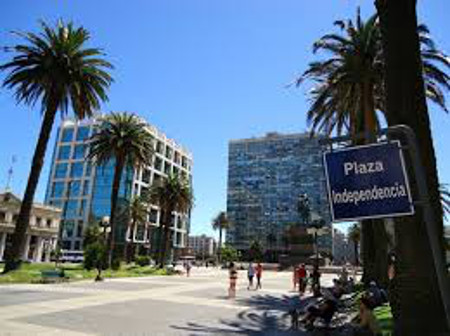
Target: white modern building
(202, 246)
(83, 191)
(42, 233)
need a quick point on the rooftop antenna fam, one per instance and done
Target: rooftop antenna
(10, 173)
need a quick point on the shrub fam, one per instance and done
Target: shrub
(142, 260)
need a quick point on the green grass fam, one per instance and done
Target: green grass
(384, 317)
(31, 273)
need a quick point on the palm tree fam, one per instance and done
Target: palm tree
(348, 97)
(137, 213)
(55, 68)
(220, 222)
(348, 86)
(354, 235)
(172, 194)
(417, 305)
(124, 139)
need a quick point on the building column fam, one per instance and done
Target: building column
(2, 244)
(48, 248)
(27, 248)
(37, 253)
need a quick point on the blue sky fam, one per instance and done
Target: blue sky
(202, 71)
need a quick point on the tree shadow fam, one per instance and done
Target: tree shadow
(268, 315)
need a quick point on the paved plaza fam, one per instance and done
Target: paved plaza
(155, 306)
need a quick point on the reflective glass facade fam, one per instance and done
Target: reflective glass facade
(83, 190)
(266, 176)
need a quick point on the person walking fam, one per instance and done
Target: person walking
(259, 270)
(188, 268)
(233, 275)
(250, 274)
(302, 279)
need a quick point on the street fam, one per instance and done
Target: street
(157, 305)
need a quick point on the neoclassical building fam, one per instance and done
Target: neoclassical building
(42, 234)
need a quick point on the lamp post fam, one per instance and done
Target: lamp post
(105, 224)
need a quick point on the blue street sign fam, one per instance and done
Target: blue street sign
(367, 182)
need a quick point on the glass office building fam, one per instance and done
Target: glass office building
(83, 190)
(266, 176)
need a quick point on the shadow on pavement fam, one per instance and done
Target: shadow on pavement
(268, 315)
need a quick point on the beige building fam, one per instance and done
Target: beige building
(42, 233)
(202, 246)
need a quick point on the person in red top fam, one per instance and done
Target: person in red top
(258, 275)
(301, 279)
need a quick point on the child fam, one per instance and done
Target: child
(233, 274)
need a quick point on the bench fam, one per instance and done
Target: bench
(49, 276)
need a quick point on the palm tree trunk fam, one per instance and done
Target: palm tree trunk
(164, 237)
(219, 251)
(374, 236)
(417, 305)
(126, 252)
(118, 169)
(14, 254)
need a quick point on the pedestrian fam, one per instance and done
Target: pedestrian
(188, 268)
(315, 276)
(233, 275)
(250, 274)
(259, 270)
(301, 276)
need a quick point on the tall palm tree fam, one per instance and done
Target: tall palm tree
(171, 194)
(137, 213)
(220, 222)
(56, 68)
(348, 97)
(124, 139)
(354, 235)
(348, 86)
(417, 305)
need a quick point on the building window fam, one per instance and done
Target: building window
(64, 152)
(177, 158)
(153, 216)
(67, 135)
(80, 229)
(38, 221)
(66, 245)
(49, 223)
(158, 164)
(2, 216)
(77, 245)
(81, 211)
(77, 169)
(184, 162)
(75, 188)
(167, 168)
(168, 152)
(71, 209)
(68, 228)
(78, 152)
(157, 179)
(88, 168)
(144, 192)
(159, 147)
(146, 176)
(56, 204)
(86, 187)
(176, 171)
(82, 133)
(61, 170)
(58, 189)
